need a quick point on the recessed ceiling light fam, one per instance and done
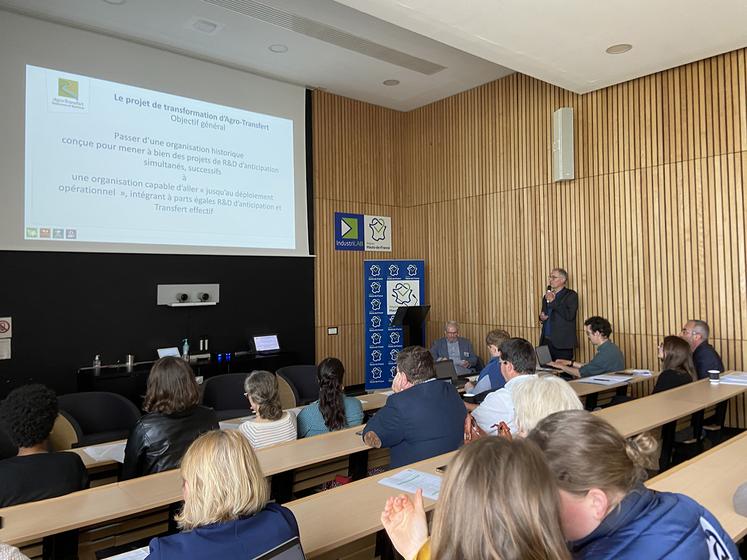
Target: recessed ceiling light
(390, 82)
(278, 48)
(619, 49)
(205, 26)
(115, 2)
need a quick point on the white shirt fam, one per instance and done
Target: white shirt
(263, 434)
(11, 553)
(498, 406)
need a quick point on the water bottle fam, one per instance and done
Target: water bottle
(97, 364)
(185, 349)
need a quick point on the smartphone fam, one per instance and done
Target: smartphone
(442, 469)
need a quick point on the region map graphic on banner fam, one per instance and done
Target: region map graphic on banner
(389, 284)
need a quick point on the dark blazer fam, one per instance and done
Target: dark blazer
(158, 441)
(705, 357)
(440, 349)
(242, 539)
(420, 422)
(562, 321)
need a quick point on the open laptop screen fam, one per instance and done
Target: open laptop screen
(289, 550)
(267, 343)
(543, 355)
(445, 370)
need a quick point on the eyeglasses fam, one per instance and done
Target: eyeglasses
(554, 277)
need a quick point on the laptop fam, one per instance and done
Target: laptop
(543, 355)
(446, 371)
(266, 344)
(289, 550)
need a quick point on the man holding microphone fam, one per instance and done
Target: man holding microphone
(558, 316)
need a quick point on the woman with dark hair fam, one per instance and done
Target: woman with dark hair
(677, 366)
(28, 415)
(173, 420)
(333, 411)
(271, 424)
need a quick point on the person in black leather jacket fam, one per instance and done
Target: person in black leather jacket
(173, 420)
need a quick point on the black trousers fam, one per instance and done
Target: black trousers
(555, 352)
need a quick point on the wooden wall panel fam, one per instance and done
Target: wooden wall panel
(652, 229)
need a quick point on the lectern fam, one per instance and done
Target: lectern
(412, 321)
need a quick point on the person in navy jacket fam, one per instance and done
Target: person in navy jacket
(425, 416)
(606, 511)
(226, 513)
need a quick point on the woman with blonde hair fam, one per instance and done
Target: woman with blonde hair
(271, 423)
(226, 513)
(498, 501)
(539, 397)
(606, 511)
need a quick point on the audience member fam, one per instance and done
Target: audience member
(705, 357)
(173, 421)
(226, 513)
(28, 414)
(606, 511)
(518, 363)
(676, 364)
(456, 348)
(490, 378)
(558, 316)
(538, 397)
(498, 500)
(271, 424)
(333, 411)
(608, 356)
(423, 417)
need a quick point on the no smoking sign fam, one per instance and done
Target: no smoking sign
(6, 327)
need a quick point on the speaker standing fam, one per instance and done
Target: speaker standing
(558, 316)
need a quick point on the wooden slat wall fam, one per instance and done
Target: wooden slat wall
(651, 230)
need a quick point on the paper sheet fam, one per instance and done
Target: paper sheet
(641, 372)
(409, 480)
(137, 554)
(108, 451)
(606, 379)
(735, 378)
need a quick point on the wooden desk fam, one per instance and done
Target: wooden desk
(591, 391)
(650, 412)
(371, 401)
(711, 479)
(325, 519)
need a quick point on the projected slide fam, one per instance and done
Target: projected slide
(107, 162)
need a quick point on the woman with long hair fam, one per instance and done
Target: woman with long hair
(271, 424)
(173, 421)
(226, 511)
(498, 501)
(333, 411)
(677, 366)
(606, 511)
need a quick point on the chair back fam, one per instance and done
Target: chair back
(287, 393)
(65, 433)
(226, 392)
(100, 416)
(303, 378)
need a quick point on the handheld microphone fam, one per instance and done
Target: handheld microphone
(548, 289)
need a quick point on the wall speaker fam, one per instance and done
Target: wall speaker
(562, 145)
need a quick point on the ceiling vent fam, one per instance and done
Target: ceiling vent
(328, 34)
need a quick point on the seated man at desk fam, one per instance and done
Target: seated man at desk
(608, 356)
(705, 357)
(27, 415)
(518, 364)
(455, 348)
(424, 418)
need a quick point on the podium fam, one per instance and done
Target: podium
(412, 321)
